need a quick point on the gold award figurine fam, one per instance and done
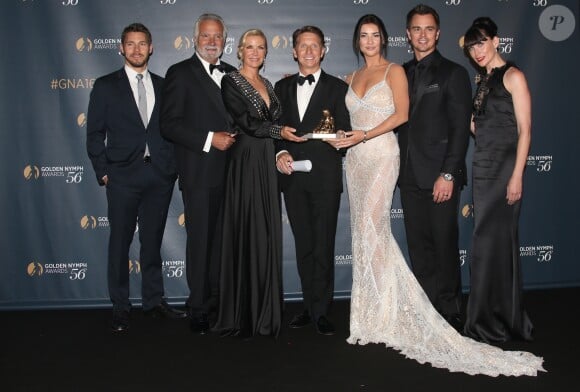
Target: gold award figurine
(325, 128)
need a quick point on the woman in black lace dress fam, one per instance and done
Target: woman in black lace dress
(502, 128)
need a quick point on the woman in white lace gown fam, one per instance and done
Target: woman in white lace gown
(387, 303)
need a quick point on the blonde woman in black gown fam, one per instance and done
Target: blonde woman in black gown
(250, 293)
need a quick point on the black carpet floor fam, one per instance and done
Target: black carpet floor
(73, 350)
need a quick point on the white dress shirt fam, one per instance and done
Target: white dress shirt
(149, 91)
(216, 76)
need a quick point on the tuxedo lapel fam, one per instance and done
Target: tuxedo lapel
(212, 90)
(293, 109)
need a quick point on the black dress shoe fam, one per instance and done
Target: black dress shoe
(199, 323)
(120, 322)
(163, 310)
(300, 320)
(324, 326)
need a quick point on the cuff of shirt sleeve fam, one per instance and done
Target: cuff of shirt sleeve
(207, 145)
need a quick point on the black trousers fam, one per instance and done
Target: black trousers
(141, 197)
(432, 239)
(313, 217)
(203, 223)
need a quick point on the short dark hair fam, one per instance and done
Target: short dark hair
(370, 19)
(422, 9)
(136, 28)
(480, 30)
(307, 29)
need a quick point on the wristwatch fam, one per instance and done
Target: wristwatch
(447, 176)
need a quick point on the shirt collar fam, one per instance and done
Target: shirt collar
(131, 73)
(206, 63)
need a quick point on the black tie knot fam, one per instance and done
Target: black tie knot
(302, 79)
(220, 67)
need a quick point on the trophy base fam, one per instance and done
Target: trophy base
(320, 136)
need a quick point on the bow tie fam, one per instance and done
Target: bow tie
(219, 67)
(302, 79)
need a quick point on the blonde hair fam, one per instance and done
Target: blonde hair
(251, 33)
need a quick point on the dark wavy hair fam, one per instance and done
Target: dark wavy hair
(369, 19)
(482, 29)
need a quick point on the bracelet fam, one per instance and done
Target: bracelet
(364, 137)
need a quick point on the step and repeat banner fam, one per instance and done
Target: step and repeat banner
(54, 226)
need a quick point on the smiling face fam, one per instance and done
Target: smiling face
(253, 51)
(484, 53)
(308, 51)
(423, 34)
(136, 49)
(210, 40)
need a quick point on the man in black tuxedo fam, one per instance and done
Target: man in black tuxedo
(194, 118)
(433, 145)
(312, 199)
(137, 167)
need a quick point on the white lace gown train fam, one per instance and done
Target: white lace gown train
(387, 303)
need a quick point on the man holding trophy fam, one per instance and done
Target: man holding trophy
(311, 172)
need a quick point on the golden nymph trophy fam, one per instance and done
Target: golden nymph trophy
(325, 128)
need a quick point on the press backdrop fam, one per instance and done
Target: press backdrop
(54, 226)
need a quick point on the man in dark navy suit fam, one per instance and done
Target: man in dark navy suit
(136, 165)
(433, 145)
(194, 118)
(312, 199)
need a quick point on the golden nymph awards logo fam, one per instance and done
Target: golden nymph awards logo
(31, 172)
(82, 120)
(84, 44)
(181, 220)
(34, 269)
(88, 221)
(91, 222)
(182, 42)
(467, 211)
(134, 267)
(281, 42)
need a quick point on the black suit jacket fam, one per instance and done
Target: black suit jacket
(326, 174)
(191, 107)
(113, 115)
(435, 138)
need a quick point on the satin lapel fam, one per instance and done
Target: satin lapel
(212, 91)
(293, 110)
(127, 94)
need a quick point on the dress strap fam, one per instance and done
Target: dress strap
(352, 78)
(387, 70)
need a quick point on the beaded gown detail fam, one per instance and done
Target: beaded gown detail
(250, 292)
(387, 303)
